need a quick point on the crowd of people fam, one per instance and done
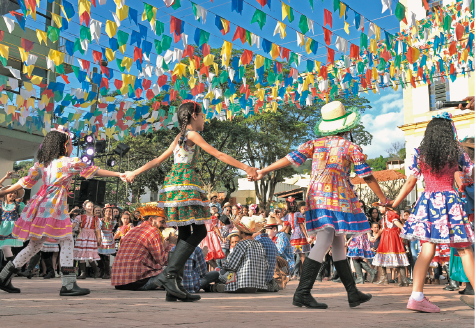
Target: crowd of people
(190, 241)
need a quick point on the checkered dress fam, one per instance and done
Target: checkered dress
(141, 255)
(248, 261)
(271, 254)
(195, 268)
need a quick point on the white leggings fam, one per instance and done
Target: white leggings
(66, 255)
(7, 252)
(325, 239)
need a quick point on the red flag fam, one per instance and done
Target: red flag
(162, 80)
(118, 85)
(278, 66)
(323, 72)
(363, 81)
(104, 83)
(453, 48)
(175, 28)
(65, 78)
(327, 18)
(85, 65)
(206, 49)
(138, 92)
(149, 94)
(84, 18)
(330, 56)
(97, 56)
(262, 2)
(197, 61)
(459, 31)
(1, 35)
(189, 51)
(409, 55)
(354, 51)
(246, 57)
(146, 84)
(105, 70)
(138, 54)
(285, 53)
(240, 34)
(25, 44)
(156, 105)
(204, 70)
(93, 2)
(328, 36)
(426, 5)
(368, 77)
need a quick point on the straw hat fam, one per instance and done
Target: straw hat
(336, 119)
(248, 224)
(151, 211)
(20, 192)
(271, 222)
(212, 195)
(166, 232)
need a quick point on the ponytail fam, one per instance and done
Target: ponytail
(185, 113)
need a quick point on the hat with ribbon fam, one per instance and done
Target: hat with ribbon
(151, 211)
(20, 192)
(271, 222)
(336, 119)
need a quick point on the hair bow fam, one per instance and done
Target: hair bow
(443, 115)
(64, 130)
(290, 199)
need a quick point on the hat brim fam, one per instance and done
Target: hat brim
(238, 225)
(326, 128)
(20, 192)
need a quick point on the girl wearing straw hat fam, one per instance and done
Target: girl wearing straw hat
(333, 209)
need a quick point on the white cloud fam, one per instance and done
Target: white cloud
(385, 104)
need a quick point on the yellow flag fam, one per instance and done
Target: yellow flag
(375, 73)
(58, 20)
(285, 11)
(275, 51)
(192, 82)
(4, 99)
(84, 5)
(123, 12)
(373, 46)
(305, 85)
(28, 69)
(122, 48)
(110, 55)
(274, 107)
(208, 60)
(36, 80)
(261, 94)
(259, 61)
(28, 86)
(56, 56)
(307, 45)
(179, 69)
(392, 70)
(111, 28)
(347, 30)
(377, 32)
(4, 50)
(191, 67)
(342, 9)
(226, 53)
(274, 92)
(42, 36)
(127, 63)
(281, 29)
(30, 102)
(317, 66)
(2, 117)
(77, 116)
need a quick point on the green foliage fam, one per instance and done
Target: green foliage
(22, 167)
(378, 163)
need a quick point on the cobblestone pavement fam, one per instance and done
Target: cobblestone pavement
(39, 305)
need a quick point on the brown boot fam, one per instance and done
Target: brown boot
(403, 279)
(97, 271)
(383, 277)
(82, 266)
(107, 268)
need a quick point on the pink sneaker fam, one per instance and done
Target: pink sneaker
(423, 306)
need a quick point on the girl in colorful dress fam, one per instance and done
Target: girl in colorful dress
(125, 227)
(212, 240)
(89, 238)
(9, 214)
(359, 249)
(333, 209)
(391, 252)
(185, 202)
(107, 247)
(298, 238)
(439, 216)
(46, 215)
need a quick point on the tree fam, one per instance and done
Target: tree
(378, 163)
(397, 149)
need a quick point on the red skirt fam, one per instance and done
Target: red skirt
(214, 247)
(391, 242)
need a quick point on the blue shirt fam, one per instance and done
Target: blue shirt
(195, 268)
(284, 249)
(271, 254)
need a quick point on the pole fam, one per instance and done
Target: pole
(118, 179)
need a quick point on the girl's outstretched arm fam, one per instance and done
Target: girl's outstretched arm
(279, 164)
(198, 140)
(405, 190)
(130, 175)
(107, 173)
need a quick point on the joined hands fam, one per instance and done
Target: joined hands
(259, 175)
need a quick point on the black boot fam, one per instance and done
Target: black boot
(6, 277)
(70, 288)
(468, 289)
(82, 267)
(168, 278)
(49, 268)
(95, 268)
(320, 272)
(31, 266)
(359, 272)
(403, 280)
(372, 272)
(303, 296)
(179, 282)
(107, 268)
(355, 297)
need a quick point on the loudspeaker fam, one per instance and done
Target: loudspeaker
(93, 190)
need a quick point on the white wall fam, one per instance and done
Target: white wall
(420, 100)
(459, 88)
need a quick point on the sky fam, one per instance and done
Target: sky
(381, 120)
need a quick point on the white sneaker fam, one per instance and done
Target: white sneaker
(56, 274)
(441, 277)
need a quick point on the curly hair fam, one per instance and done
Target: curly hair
(467, 144)
(53, 147)
(439, 148)
(292, 207)
(185, 113)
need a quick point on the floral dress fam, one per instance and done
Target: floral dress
(46, 214)
(85, 247)
(439, 215)
(360, 247)
(9, 214)
(391, 251)
(108, 243)
(182, 197)
(212, 241)
(298, 241)
(331, 201)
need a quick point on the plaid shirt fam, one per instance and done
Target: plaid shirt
(284, 249)
(141, 255)
(195, 268)
(271, 254)
(248, 261)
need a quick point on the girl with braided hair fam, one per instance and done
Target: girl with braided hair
(185, 202)
(46, 215)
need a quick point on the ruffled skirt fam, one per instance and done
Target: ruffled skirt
(214, 247)
(6, 236)
(391, 251)
(182, 198)
(360, 247)
(439, 217)
(108, 244)
(342, 222)
(50, 245)
(85, 247)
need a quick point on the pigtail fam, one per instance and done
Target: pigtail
(183, 124)
(184, 113)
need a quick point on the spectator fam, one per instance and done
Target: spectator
(271, 256)
(284, 249)
(245, 210)
(137, 220)
(247, 263)
(373, 215)
(143, 253)
(213, 201)
(197, 277)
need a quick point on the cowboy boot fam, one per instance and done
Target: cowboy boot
(355, 297)
(107, 268)
(359, 271)
(303, 296)
(403, 280)
(372, 272)
(179, 281)
(451, 284)
(468, 289)
(83, 275)
(168, 278)
(69, 286)
(95, 268)
(6, 277)
(383, 277)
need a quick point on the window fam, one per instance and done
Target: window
(153, 196)
(438, 91)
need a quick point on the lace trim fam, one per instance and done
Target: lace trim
(339, 232)
(412, 237)
(182, 204)
(182, 188)
(188, 222)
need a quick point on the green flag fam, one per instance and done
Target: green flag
(204, 37)
(77, 46)
(159, 28)
(259, 17)
(400, 11)
(53, 33)
(158, 46)
(166, 42)
(303, 24)
(85, 33)
(148, 11)
(363, 41)
(122, 38)
(311, 4)
(119, 64)
(176, 5)
(248, 37)
(336, 5)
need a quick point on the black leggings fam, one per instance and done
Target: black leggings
(199, 233)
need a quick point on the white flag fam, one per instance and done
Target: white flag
(300, 39)
(10, 23)
(386, 5)
(116, 19)
(95, 29)
(341, 44)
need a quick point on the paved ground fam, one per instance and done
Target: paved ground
(39, 305)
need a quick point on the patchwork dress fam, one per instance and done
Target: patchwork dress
(108, 243)
(331, 201)
(439, 216)
(360, 247)
(181, 196)
(85, 247)
(298, 241)
(46, 214)
(9, 214)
